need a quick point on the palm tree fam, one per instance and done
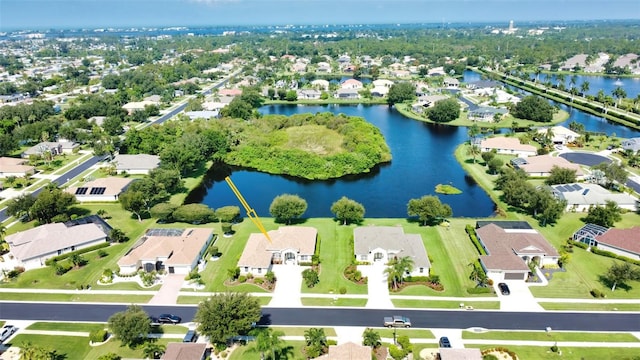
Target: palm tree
(618, 93)
(473, 150)
(560, 79)
(584, 87)
(573, 81)
(636, 101)
(371, 338)
(153, 350)
(269, 342)
(316, 341)
(537, 72)
(393, 274)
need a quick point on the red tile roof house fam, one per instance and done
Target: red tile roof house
(177, 251)
(624, 242)
(289, 245)
(509, 251)
(507, 145)
(102, 189)
(380, 244)
(34, 246)
(15, 167)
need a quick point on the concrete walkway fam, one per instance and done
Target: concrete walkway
(377, 285)
(288, 285)
(168, 293)
(519, 299)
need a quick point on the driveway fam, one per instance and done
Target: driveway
(288, 285)
(519, 299)
(377, 285)
(168, 293)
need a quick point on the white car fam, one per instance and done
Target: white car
(6, 332)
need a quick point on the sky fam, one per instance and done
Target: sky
(66, 14)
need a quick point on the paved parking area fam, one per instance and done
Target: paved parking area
(519, 299)
(168, 293)
(377, 286)
(288, 285)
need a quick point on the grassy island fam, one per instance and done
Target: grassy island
(447, 189)
(313, 146)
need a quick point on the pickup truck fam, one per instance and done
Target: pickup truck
(397, 321)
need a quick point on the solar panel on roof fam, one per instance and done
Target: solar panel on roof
(576, 187)
(97, 190)
(585, 191)
(165, 232)
(81, 190)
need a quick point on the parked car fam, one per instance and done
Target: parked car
(154, 320)
(397, 321)
(190, 336)
(169, 319)
(444, 342)
(6, 332)
(504, 289)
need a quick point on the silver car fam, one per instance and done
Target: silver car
(6, 332)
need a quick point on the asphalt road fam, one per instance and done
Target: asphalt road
(62, 179)
(455, 319)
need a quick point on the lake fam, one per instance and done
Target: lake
(422, 158)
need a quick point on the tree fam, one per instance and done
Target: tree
(444, 111)
(614, 172)
(224, 315)
(228, 213)
(133, 201)
(473, 131)
(533, 108)
(162, 211)
(559, 175)
(21, 206)
(51, 201)
(310, 277)
(621, 272)
(118, 235)
(291, 95)
(238, 109)
(268, 341)
(371, 338)
(30, 351)
(316, 341)
(606, 215)
(473, 150)
(110, 356)
(287, 207)
(347, 210)
(131, 326)
(487, 156)
(153, 350)
(397, 270)
(494, 165)
(428, 209)
(194, 214)
(619, 93)
(400, 92)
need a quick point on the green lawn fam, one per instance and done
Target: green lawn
(76, 297)
(331, 302)
(552, 336)
(248, 352)
(444, 304)
(299, 331)
(570, 353)
(411, 333)
(66, 326)
(590, 306)
(263, 300)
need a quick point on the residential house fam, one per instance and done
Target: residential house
(31, 248)
(320, 84)
(299, 67)
(351, 84)
(483, 84)
(55, 148)
(203, 114)
(379, 91)
(102, 189)
(383, 83)
(134, 106)
(451, 83)
(309, 94)
(582, 196)
(347, 94)
(542, 165)
(347, 351)
(289, 245)
(155, 99)
(510, 247)
(632, 144)
(623, 242)
(381, 244)
(185, 351)
(98, 120)
(15, 167)
(579, 60)
(560, 134)
(486, 113)
(176, 251)
(460, 354)
(436, 71)
(230, 92)
(136, 163)
(324, 67)
(507, 145)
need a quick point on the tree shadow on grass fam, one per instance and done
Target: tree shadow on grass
(609, 284)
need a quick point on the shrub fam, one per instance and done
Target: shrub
(62, 269)
(102, 253)
(98, 336)
(597, 293)
(332, 342)
(310, 277)
(489, 357)
(258, 281)
(213, 251)
(270, 277)
(343, 290)
(55, 259)
(12, 274)
(554, 348)
(474, 239)
(242, 278)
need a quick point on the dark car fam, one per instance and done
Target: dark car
(504, 289)
(154, 320)
(190, 336)
(444, 342)
(169, 319)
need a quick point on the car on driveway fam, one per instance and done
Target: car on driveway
(444, 342)
(6, 332)
(190, 336)
(169, 319)
(504, 289)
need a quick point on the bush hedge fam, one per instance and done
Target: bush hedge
(479, 290)
(609, 254)
(80, 251)
(98, 336)
(474, 239)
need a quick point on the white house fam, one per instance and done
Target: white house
(291, 245)
(381, 244)
(101, 189)
(632, 144)
(582, 196)
(177, 251)
(34, 246)
(136, 163)
(15, 167)
(507, 145)
(561, 135)
(320, 84)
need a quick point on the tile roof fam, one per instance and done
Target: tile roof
(184, 351)
(14, 165)
(590, 194)
(390, 238)
(258, 251)
(626, 239)
(113, 186)
(502, 142)
(347, 351)
(544, 164)
(49, 238)
(181, 249)
(136, 161)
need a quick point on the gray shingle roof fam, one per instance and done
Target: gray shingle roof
(368, 238)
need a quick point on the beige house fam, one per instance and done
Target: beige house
(34, 246)
(137, 106)
(507, 145)
(289, 245)
(15, 167)
(136, 163)
(185, 351)
(102, 189)
(560, 134)
(510, 246)
(381, 244)
(541, 165)
(177, 251)
(347, 351)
